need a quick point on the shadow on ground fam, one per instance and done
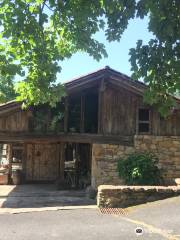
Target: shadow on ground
(41, 195)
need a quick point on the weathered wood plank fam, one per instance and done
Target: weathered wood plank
(82, 114)
(66, 115)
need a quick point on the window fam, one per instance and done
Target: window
(17, 153)
(3, 154)
(144, 120)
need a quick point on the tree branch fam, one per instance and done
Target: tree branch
(49, 7)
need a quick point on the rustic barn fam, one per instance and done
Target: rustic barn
(80, 140)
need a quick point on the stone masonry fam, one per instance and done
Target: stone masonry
(125, 196)
(106, 156)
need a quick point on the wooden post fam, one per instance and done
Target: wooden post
(66, 116)
(82, 114)
(24, 160)
(10, 155)
(33, 159)
(100, 106)
(61, 161)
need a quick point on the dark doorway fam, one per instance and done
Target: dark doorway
(91, 113)
(83, 112)
(77, 169)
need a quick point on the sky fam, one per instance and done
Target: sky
(118, 53)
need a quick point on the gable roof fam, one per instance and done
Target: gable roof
(116, 78)
(111, 75)
(10, 106)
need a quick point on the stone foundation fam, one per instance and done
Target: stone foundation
(168, 151)
(104, 163)
(125, 196)
(106, 156)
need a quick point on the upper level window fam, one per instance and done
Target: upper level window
(144, 120)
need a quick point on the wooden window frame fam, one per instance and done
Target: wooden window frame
(19, 148)
(146, 122)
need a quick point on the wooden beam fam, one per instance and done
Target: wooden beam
(24, 160)
(33, 159)
(89, 81)
(69, 137)
(66, 116)
(10, 155)
(82, 114)
(61, 161)
(100, 105)
(122, 84)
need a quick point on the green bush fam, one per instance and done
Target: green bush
(139, 169)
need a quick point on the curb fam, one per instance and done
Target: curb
(28, 210)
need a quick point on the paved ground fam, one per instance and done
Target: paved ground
(40, 196)
(159, 220)
(74, 216)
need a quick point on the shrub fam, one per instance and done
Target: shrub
(139, 169)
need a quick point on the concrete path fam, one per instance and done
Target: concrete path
(39, 196)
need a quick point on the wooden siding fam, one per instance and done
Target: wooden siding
(43, 162)
(118, 112)
(14, 121)
(169, 126)
(117, 116)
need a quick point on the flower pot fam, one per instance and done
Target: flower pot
(4, 179)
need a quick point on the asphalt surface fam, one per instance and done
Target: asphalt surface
(159, 220)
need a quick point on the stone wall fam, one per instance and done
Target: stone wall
(168, 151)
(104, 163)
(106, 156)
(125, 196)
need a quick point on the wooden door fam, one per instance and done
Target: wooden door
(42, 162)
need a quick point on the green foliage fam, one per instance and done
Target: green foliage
(158, 61)
(40, 123)
(7, 91)
(47, 119)
(37, 34)
(139, 169)
(55, 121)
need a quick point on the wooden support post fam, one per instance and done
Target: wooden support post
(10, 155)
(82, 114)
(24, 160)
(33, 161)
(100, 106)
(66, 116)
(61, 160)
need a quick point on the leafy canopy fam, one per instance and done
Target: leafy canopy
(37, 34)
(7, 92)
(158, 62)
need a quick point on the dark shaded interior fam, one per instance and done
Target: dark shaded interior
(77, 169)
(83, 112)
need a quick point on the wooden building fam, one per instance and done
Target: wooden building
(104, 108)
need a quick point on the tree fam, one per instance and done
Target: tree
(158, 62)
(7, 91)
(38, 34)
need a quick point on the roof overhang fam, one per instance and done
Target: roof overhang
(9, 107)
(108, 75)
